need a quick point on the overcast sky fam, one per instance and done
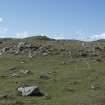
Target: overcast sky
(69, 19)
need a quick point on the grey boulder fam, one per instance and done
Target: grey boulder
(29, 91)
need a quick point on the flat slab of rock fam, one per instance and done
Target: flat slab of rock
(29, 91)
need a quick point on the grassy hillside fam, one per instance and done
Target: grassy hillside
(74, 79)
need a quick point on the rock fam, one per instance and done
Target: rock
(17, 52)
(43, 48)
(30, 54)
(44, 76)
(12, 69)
(47, 97)
(20, 44)
(45, 54)
(14, 74)
(3, 76)
(5, 49)
(84, 54)
(6, 96)
(1, 53)
(52, 72)
(26, 71)
(98, 59)
(22, 62)
(1, 42)
(29, 91)
(83, 44)
(2, 96)
(98, 48)
(28, 45)
(94, 87)
(68, 89)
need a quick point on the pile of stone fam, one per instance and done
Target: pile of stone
(26, 49)
(30, 49)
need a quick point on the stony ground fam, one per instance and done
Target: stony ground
(69, 79)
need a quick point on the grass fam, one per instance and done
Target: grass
(71, 80)
(70, 85)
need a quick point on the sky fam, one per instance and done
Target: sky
(60, 19)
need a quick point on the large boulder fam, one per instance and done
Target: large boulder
(29, 91)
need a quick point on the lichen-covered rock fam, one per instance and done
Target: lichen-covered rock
(29, 91)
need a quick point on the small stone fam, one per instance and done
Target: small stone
(45, 54)
(1, 54)
(92, 87)
(26, 71)
(22, 62)
(14, 74)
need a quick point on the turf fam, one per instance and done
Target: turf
(70, 83)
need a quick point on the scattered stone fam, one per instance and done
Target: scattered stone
(30, 91)
(15, 72)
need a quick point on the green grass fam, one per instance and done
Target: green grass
(70, 85)
(70, 82)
